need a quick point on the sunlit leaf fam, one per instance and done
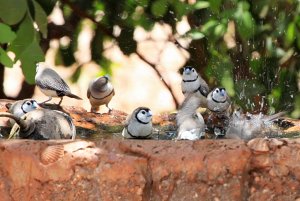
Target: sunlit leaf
(159, 8)
(40, 18)
(201, 5)
(196, 35)
(290, 33)
(4, 59)
(6, 34)
(209, 26)
(220, 30)
(12, 11)
(227, 83)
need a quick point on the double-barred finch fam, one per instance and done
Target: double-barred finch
(42, 124)
(100, 92)
(21, 107)
(190, 123)
(249, 126)
(192, 82)
(218, 100)
(139, 124)
(51, 84)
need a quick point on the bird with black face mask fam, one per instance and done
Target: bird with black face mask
(51, 84)
(100, 92)
(192, 82)
(139, 124)
(21, 107)
(218, 102)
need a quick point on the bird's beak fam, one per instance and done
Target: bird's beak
(150, 114)
(187, 71)
(35, 105)
(223, 92)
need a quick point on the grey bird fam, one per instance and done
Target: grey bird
(248, 126)
(190, 123)
(139, 124)
(21, 107)
(51, 84)
(192, 82)
(218, 100)
(100, 92)
(42, 124)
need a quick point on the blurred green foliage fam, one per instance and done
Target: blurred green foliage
(250, 47)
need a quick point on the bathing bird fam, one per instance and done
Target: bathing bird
(42, 124)
(139, 124)
(51, 84)
(100, 92)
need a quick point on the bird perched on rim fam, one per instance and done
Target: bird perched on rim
(21, 107)
(218, 100)
(42, 124)
(192, 82)
(100, 92)
(139, 124)
(190, 123)
(51, 84)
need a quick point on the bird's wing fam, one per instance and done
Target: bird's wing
(51, 80)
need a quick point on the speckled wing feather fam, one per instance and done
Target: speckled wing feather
(51, 80)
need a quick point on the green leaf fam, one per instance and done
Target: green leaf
(215, 5)
(40, 17)
(290, 33)
(196, 35)
(209, 26)
(227, 83)
(12, 11)
(220, 30)
(25, 36)
(6, 34)
(4, 59)
(30, 56)
(201, 5)
(159, 8)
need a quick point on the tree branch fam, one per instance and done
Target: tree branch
(108, 32)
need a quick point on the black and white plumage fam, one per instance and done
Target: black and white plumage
(139, 124)
(100, 92)
(218, 100)
(42, 124)
(190, 123)
(51, 84)
(192, 82)
(21, 107)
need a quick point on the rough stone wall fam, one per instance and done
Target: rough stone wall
(262, 169)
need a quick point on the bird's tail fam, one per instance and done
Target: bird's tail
(73, 96)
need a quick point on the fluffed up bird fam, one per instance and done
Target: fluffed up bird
(192, 82)
(51, 84)
(190, 123)
(249, 126)
(100, 92)
(42, 124)
(139, 124)
(218, 100)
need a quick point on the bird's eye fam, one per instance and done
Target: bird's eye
(28, 103)
(143, 112)
(217, 90)
(193, 70)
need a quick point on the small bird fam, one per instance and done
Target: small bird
(218, 101)
(100, 92)
(21, 107)
(139, 124)
(192, 128)
(42, 124)
(190, 123)
(192, 82)
(51, 84)
(248, 126)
